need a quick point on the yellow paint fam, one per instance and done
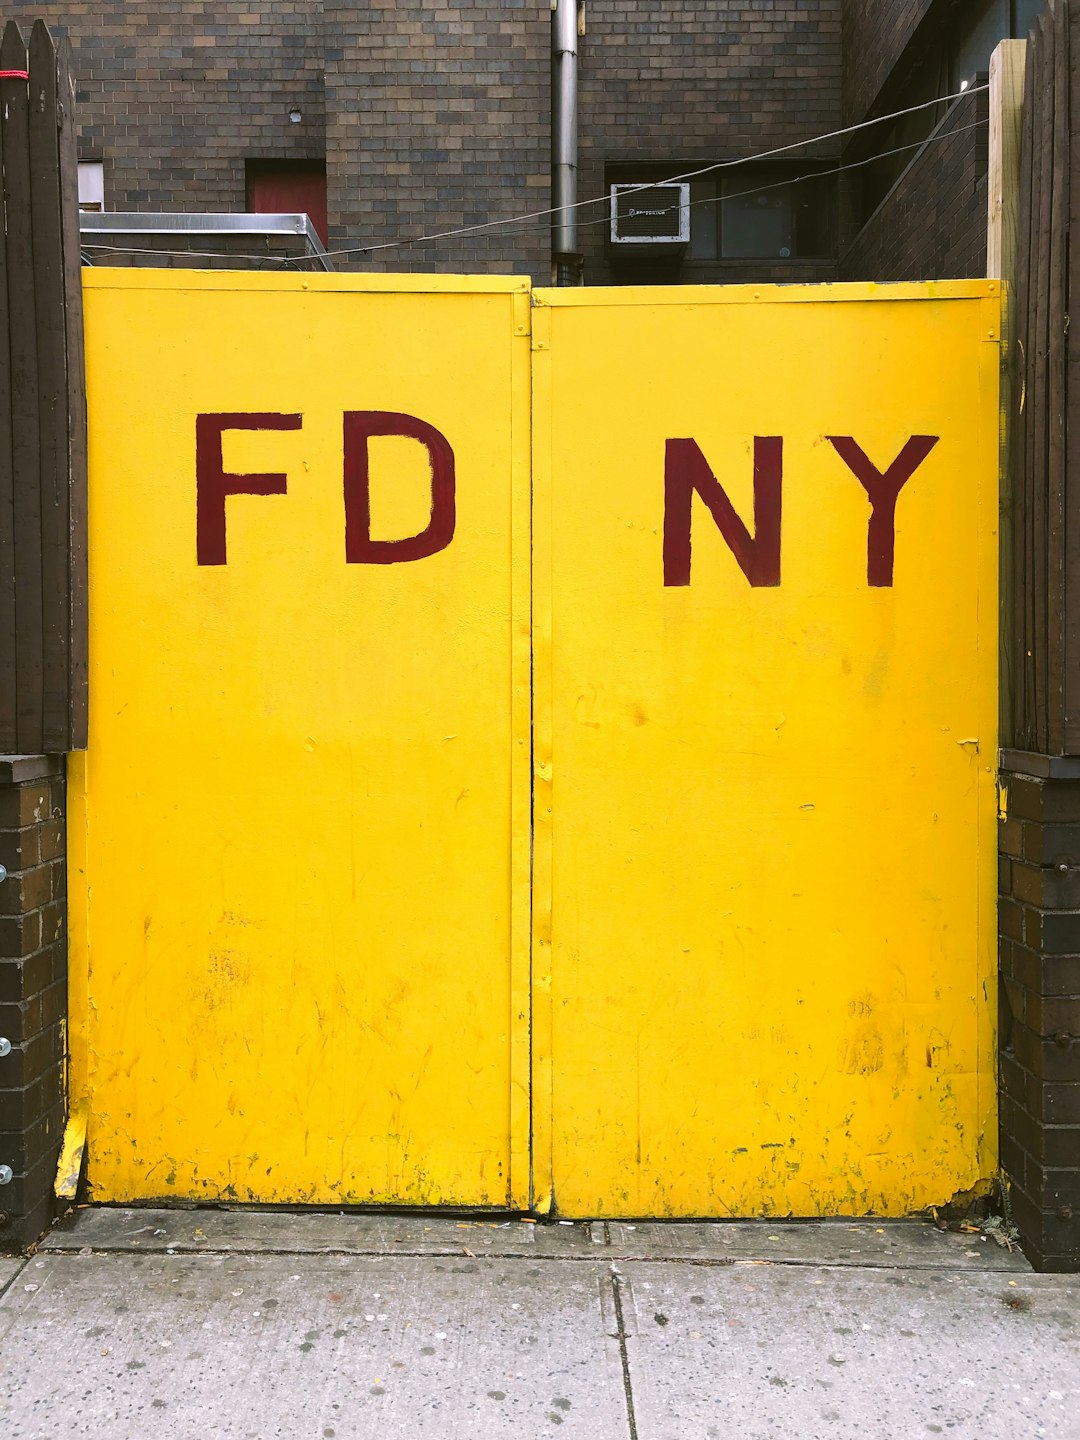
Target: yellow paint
(764, 911)
(303, 913)
(72, 1151)
(762, 851)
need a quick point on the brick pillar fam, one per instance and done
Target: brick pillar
(1039, 928)
(33, 991)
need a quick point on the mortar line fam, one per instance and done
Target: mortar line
(628, 1389)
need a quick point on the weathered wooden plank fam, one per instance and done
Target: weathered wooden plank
(1044, 143)
(1072, 416)
(8, 667)
(1026, 590)
(1020, 468)
(25, 445)
(76, 413)
(51, 384)
(1007, 68)
(1055, 410)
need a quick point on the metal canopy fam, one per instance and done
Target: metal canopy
(126, 222)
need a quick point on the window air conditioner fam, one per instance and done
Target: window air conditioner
(652, 216)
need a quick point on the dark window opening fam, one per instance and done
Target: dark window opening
(288, 187)
(775, 213)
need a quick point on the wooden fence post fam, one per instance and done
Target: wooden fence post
(1007, 66)
(43, 642)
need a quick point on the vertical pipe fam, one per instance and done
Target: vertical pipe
(564, 60)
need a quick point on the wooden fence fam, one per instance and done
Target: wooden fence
(1042, 653)
(43, 634)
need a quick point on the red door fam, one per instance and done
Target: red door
(289, 190)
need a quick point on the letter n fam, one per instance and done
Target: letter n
(360, 548)
(685, 471)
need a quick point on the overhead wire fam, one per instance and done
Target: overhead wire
(670, 180)
(519, 220)
(778, 184)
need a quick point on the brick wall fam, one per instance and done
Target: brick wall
(434, 117)
(438, 117)
(699, 83)
(874, 38)
(932, 224)
(1040, 1012)
(173, 98)
(33, 991)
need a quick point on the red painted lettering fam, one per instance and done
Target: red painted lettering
(685, 471)
(360, 548)
(883, 490)
(213, 483)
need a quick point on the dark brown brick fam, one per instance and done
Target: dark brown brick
(1060, 1103)
(1051, 844)
(20, 935)
(1010, 918)
(29, 1062)
(38, 1139)
(1058, 932)
(1011, 838)
(1045, 886)
(876, 37)
(1052, 1014)
(1058, 1146)
(1054, 1059)
(1014, 1159)
(51, 840)
(1055, 1190)
(22, 805)
(1051, 801)
(27, 1191)
(20, 1108)
(1042, 1229)
(26, 890)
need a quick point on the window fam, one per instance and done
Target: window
(91, 185)
(775, 213)
(763, 213)
(288, 187)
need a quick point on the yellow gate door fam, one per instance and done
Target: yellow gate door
(762, 692)
(766, 658)
(300, 833)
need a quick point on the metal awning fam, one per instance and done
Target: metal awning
(127, 222)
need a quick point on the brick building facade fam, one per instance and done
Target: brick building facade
(435, 118)
(426, 119)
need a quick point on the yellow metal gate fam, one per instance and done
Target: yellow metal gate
(762, 700)
(765, 586)
(304, 806)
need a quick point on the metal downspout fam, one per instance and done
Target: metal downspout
(565, 257)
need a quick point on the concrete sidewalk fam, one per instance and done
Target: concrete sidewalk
(207, 1323)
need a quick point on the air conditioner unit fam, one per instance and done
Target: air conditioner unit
(652, 217)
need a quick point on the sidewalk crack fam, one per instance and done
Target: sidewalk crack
(5, 1286)
(631, 1419)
